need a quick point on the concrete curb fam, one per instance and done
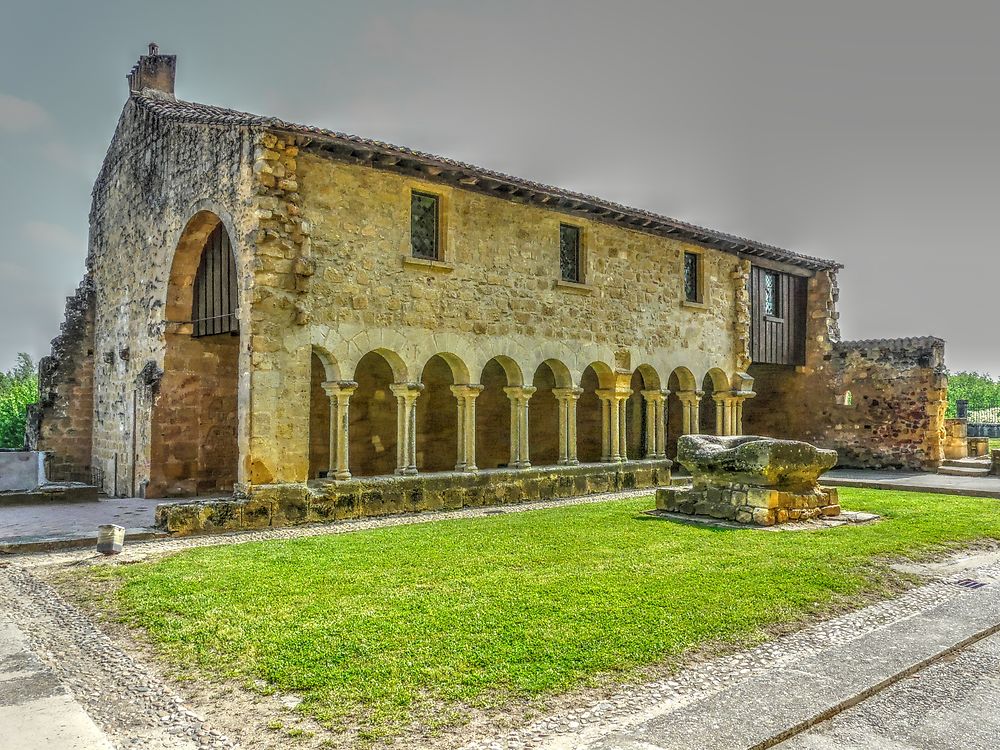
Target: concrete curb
(55, 543)
(875, 484)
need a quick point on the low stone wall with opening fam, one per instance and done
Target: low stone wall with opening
(325, 501)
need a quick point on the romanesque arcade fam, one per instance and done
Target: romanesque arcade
(384, 413)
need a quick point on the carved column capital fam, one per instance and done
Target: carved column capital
(519, 392)
(338, 388)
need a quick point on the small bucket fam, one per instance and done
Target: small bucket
(110, 539)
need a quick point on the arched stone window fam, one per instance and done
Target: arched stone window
(215, 294)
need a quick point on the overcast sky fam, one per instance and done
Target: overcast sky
(865, 131)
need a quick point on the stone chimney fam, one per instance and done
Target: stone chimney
(153, 71)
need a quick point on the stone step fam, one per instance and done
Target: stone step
(969, 463)
(963, 471)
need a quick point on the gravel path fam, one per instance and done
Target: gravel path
(121, 695)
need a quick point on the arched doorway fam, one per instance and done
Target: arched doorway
(709, 412)
(639, 413)
(589, 420)
(493, 413)
(437, 417)
(319, 419)
(194, 447)
(680, 384)
(543, 418)
(373, 428)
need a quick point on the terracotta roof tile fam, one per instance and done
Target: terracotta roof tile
(633, 218)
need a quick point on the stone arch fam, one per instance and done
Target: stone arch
(561, 373)
(400, 371)
(680, 381)
(329, 363)
(437, 413)
(372, 428)
(710, 412)
(589, 418)
(493, 412)
(321, 370)
(195, 416)
(459, 370)
(543, 414)
(638, 413)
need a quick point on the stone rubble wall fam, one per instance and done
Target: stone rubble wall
(326, 501)
(61, 423)
(898, 394)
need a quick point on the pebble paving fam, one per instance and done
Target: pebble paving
(137, 710)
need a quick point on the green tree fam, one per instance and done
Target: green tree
(981, 391)
(18, 389)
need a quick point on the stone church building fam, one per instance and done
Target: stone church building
(299, 313)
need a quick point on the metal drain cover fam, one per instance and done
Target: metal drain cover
(969, 583)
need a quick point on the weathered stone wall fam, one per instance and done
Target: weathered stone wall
(324, 501)
(334, 275)
(157, 175)
(61, 423)
(894, 416)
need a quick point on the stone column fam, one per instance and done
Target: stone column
(466, 397)
(567, 398)
(655, 423)
(605, 426)
(519, 396)
(406, 426)
(689, 411)
(737, 410)
(339, 393)
(614, 438)
(622, 398)
(721, 413)
(661, 422)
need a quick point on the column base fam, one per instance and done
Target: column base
(342, 475)
(406, 472)
(569, 462)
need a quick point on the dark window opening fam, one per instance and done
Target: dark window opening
(691, 277)
(569, 253)
(215, 292)
(424, 225)
(772, 306)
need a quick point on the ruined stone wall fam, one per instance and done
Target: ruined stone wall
(61, 423)
(156, 176)
(894, 415)
(334, 274)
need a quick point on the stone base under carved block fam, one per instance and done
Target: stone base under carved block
(761, 506)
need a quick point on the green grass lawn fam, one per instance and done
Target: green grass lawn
(386, 625)
(995, 444)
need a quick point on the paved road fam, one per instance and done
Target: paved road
(914, 481)
(36, 710)
(952, 704)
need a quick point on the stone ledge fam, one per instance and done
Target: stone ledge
(574, 287)
(323, 501)
(426, 264)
